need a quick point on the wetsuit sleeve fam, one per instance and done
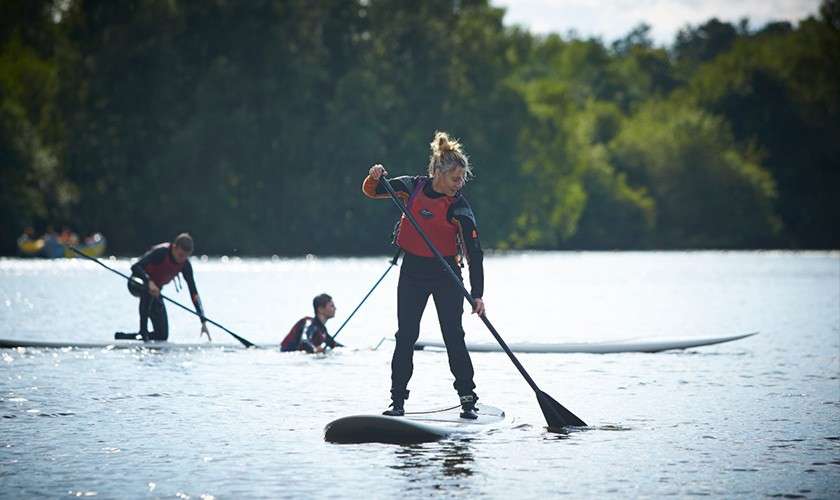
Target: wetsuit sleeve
(401, 185)
(153, 256)
(464, 216)
(187, 271)
(331, 341)
(306, 337)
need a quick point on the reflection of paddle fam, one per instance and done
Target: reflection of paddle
(555, 414)
(393, 263)
(244, 342)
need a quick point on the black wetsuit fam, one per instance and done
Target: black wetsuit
(307, 334)
(421, 277)
(159, 266)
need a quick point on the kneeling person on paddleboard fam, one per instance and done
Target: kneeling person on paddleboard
(310, 333)
(446, 217)
(156, 268)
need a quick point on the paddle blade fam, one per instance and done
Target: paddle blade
(556, 415)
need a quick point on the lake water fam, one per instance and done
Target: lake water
(753, 418)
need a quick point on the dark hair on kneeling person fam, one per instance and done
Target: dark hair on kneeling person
(185, 242)
(320, 301)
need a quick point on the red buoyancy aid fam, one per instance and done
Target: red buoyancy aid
(163, 272)
(293, 337)
(430, 214)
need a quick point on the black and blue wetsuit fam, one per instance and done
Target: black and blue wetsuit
(306, 335)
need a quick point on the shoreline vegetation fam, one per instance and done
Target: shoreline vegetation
(252, 126)
(268, 259)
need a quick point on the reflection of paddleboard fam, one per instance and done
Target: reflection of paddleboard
(412, 428)
(628, 345)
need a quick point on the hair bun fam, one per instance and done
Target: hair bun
(447, 153)
(441, 143)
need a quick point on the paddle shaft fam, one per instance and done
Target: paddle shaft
(244, 342)
(393, 263)
(457, 280)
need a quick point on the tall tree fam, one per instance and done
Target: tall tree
(33, 186)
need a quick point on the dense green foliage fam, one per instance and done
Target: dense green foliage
(252, 125)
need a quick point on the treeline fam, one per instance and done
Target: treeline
(252, 124)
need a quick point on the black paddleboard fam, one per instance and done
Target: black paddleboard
(418, 427)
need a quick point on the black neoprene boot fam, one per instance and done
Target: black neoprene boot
(131, 336)
(395, 409)
(397, 406)
(468, 409)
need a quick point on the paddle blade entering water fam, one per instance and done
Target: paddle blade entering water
(556, 415)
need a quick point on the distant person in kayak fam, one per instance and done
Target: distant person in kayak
(53, 248)
(68, 237)
(154, 270)
(447, 219)
(310, 333)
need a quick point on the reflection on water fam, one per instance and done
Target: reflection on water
(449, 458)
(758, 417)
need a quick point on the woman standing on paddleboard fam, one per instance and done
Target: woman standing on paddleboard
(447, 219)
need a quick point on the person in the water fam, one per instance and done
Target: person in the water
(310, 332)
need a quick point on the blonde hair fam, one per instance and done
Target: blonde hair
(447, 154)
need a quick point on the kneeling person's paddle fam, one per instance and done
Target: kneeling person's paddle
(555, 414)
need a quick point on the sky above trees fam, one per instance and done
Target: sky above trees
(611, 19)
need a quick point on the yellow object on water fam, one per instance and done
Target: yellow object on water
(95, 248)
(31, 247)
